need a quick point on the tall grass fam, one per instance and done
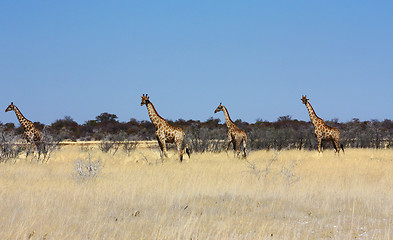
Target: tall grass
(210, 196)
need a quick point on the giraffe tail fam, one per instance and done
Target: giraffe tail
(342, 147)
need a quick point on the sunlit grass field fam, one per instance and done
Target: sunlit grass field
(274, 195)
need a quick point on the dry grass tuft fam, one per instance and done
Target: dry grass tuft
(210, 196)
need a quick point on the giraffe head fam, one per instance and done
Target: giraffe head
(10, 107)
(304, 99)
(145, 99)
(219, 108)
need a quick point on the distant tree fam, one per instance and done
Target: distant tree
(283, 121)
(284, 118)
(66, 128)
(67, 121)
(261, 135)
(146, 131)
(133, 121)
(106, 124)
(9, 127)
(335, 120)
(212, 122)
(106, 117)
(91, 123)
(89, 130)
(39, 126)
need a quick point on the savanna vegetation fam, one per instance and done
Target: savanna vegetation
(119, 189)
(290, 194)
(261, 134)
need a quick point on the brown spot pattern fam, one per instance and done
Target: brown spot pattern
(322, 131)
(165, 133)
(32, 134)
(236, 136)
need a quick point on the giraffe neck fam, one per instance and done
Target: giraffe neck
(228, 119)
(313, 115)
(27, 124)
(155, 118)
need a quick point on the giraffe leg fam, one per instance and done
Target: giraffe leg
(40, 143)
(28, 142)
(187, 150)
(27, 149)
(245, 148)
(179, 150)
(236, 150)
(162, 148)
(336, 146)
(31, 150)
(319, 144)
(229, 142)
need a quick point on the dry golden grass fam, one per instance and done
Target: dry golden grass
(301, 195)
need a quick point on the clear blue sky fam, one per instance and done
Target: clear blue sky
(82, 58)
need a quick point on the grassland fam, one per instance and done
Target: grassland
(299, 195)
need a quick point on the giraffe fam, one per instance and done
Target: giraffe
(236, 136)
(32, 134)
(165, 133)
(323, 131)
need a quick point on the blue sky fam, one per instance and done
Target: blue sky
(82, 58)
